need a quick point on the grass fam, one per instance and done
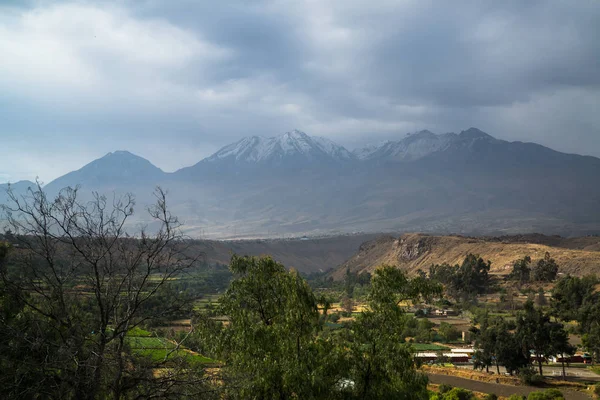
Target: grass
(158, 349)
(595, 369)
(138, 342)
(137, 331)
(429, 347)
(166, 355)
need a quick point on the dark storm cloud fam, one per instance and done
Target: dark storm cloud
(173, 81)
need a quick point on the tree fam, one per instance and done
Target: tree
(591, 340)
(76, 284)
(575, 298)
(559, 342)
(485, 343)
(463, 282)
(448, 332)
(546, 269)
(274, 346)
(270, 347)
(521, 271)
(539, 335)
(473, 275)
(380, 362)
(496, 344)
(347, 304)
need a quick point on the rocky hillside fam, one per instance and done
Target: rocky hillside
(577, 256)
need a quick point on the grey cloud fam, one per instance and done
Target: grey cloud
(202, 74)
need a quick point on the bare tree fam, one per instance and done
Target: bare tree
(86, 281)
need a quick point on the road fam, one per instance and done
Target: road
(497, 389)
(552, 371)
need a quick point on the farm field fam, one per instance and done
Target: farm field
(160, 349)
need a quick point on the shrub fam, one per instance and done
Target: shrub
(490, 396)
(444, 388)
(597, 390)
(516, 397)
(528, 376)
(552, 394)
(459, 394)
(334, 317)
(536, 396)
(548, 394)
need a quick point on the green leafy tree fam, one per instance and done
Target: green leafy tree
(546, 269)
(591, 340)
(559, 342)
(539, 335)
(381, 364)
(270, 347)
(463, 282)
(575, 298)
(521, 271)
(448, 332)
(496, 344)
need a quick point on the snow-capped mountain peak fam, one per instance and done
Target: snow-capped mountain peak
(412, 147)
(293, 144)
(420, 144)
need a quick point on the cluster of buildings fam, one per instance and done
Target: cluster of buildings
(465, 356)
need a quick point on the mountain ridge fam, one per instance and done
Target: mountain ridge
(294, 184)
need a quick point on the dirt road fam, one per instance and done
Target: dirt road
(499, 390)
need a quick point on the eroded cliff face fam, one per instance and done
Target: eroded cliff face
(411, 247)
(411, 252)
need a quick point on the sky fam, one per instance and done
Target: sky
(173, 81)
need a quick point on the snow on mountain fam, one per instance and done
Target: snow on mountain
(412, 147)
(294, 144)
(420, 144)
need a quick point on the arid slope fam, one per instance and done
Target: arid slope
(577, 256)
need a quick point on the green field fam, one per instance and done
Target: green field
(136, 342)
(158, 355)
(159, 349)
(429, 347)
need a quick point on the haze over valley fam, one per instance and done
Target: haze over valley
(294, 184)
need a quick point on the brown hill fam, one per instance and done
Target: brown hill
(410, 252)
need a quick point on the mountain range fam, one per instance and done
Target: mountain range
(296, 184)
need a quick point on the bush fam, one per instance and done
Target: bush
(548, 394)
(490, 396)
(552, 394)
(444, 388)
(334, 317)
(516, 397)
(597, 390)
(536, 396)
(459, 394)
(528, 376)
